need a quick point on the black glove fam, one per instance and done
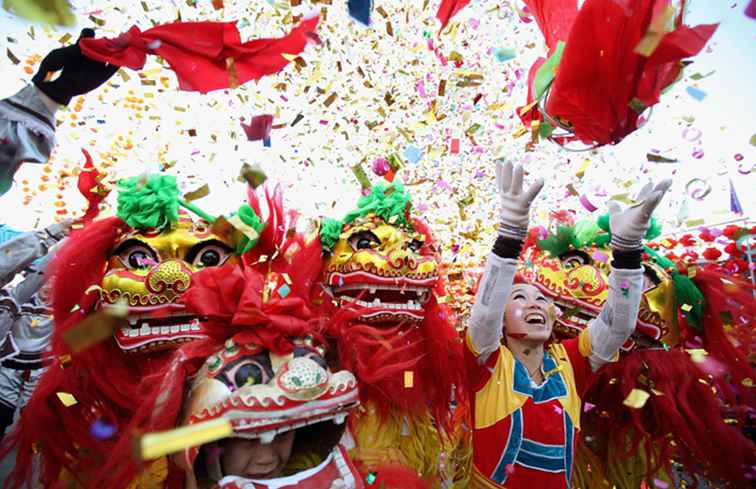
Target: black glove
(80, 74)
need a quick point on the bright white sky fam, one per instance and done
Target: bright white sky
(312, 159)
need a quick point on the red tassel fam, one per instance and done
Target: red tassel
(90, 187)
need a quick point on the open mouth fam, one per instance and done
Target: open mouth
(536, 319)
(391, 299)
(246, 427)
(149, 333)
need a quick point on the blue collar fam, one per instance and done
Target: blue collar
(553, 388)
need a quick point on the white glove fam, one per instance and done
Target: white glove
(629, 226)
(515, 205)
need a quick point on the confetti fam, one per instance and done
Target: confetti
(12, 57)
(504, 54)
(696, 93)
(412, 154)
(699, 76)
(360, 10)
(330, 100)
(655, 33)
(96, 327)
(154, 445)
(56, 13)
(697, 355)
(197, 194)
(361, 176)
(284, 290)
(636, 399)
(102, 430)
(252, 174)
(659, 159)
(258, 128)
(66, 399)
(587, 203)
(409, 379)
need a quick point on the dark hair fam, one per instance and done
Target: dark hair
(87, 32)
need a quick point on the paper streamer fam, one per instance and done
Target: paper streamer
(698, 188)
(746, 168)
(734, 201)
(691, 134)
(587, 203)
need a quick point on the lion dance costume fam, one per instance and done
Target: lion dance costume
(263, 365)
(142, 260)
(382, 272)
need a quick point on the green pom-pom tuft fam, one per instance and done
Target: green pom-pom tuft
(602, 240)
(603, 222)
(654, 229)
(687, 294)
(391, 202)
(557, 244)
(330, 230)
(248, 216)
(150, 201)
(586, 232)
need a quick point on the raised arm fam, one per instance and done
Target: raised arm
(27, 118)
(488, 310)
(18, 253)
(617, 319)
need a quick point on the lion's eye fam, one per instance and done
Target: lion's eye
(415, 245)
(364, 240)
(136, 255)
(211, 256)
(208, 254)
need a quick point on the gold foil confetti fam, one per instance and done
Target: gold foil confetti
(361, 176)
(203, 191)
(66, 399)
(96, 327)
(636, 399)
(154, 445)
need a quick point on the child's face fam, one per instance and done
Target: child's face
(254, 460)
(528, 314)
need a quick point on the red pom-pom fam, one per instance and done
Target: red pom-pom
(732, 249)
(711, 253)
(731, 231)
(687, 240)
(706, 236)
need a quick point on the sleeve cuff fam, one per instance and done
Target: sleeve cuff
(507, 247)
(584, 343)
(470, 345)
(628, 260)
